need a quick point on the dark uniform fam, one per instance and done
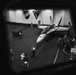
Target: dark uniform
(71, 42)
(64, 41)
(17, 33)
(26, 64)
(33, 51)
(20, 33)
(13, 33)
(24, 59)
(68, 46)
(11, 55)
(73, 53)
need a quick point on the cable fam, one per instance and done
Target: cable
(56, 56)
(56, 53)
(65, 52)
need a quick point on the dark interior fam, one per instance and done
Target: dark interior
(39, 65)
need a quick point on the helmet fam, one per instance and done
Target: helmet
(33, 48)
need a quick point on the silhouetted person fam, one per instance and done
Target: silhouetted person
(13, 33)
(31, 25)
(11, 55)
(33, 51)
(68, 46)
(17, 33)
(20, 33)
(64, 40)
(39, 23)
(73, 42)
(73, 53)
(24, 60)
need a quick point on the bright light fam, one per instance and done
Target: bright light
(48, 10)
(18, 11)
(31, 10)
(11, 16)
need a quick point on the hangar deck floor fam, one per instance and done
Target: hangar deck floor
(45, 53)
